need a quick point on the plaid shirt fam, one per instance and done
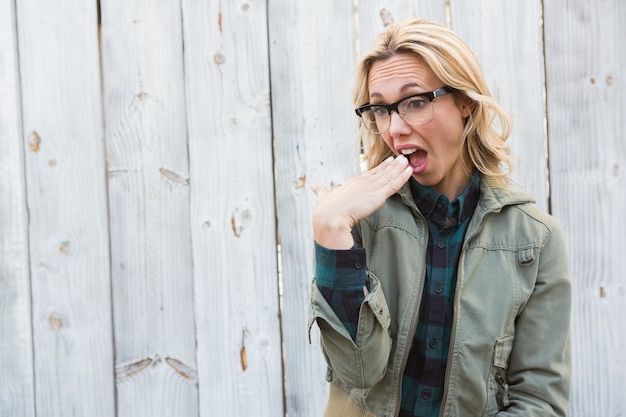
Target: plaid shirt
(340, 276)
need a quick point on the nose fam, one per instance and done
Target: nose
(397, 125)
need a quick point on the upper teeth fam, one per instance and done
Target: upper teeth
(408, 151)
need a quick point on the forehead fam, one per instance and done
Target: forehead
(400, 74)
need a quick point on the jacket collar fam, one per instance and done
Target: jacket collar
(439, 210)
(495, 198)
(492, 199)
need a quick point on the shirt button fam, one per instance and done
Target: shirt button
(425, 394)
(357, 265)
(438, 288)
(439, 203)
(441, 244)
(433, 343)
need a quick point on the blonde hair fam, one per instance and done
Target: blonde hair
(454, 64)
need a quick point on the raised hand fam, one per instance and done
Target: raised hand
(339, 209)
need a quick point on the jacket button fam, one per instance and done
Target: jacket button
(425, 394)
(357, 265)
(441, 244)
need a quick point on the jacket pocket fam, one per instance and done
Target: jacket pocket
(361, 363)
(498, 384)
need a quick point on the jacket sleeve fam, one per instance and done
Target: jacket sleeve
(341, 277)
(362, 362)
(538, 374)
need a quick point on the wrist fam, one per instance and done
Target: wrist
(334, 234)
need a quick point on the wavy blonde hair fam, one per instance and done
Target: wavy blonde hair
(455, 65)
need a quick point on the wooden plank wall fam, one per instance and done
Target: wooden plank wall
(311, 61)
(16, 339)
(149, 188)
(155, 164)
(233, 217)
(586, 74)
(66, 195)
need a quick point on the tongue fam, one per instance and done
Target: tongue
(417, 158)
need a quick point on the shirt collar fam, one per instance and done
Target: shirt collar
(436, 206)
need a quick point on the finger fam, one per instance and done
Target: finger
(388, 171)
(402, 178)
(399, 164)
(382, 166)
(392, 165)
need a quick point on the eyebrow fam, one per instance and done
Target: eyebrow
(402, 89)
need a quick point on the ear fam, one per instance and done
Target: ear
(466, 108)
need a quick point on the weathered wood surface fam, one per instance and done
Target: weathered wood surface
(148, 171)
(155, 190)
(586, 70)
(507, 38)
(312, 62)
(68, 220)
(374, 15)
(233, 218)
(16, 344)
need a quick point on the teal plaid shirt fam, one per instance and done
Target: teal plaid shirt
(340, 277)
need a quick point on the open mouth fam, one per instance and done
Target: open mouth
(416, 156)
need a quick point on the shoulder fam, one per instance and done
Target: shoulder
(514, 214)
(398, 216)
(398, 211)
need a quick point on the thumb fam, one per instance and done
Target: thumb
(318, 189)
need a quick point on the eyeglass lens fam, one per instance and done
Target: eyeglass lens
(416, 111)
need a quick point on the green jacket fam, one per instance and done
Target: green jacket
(509, 351)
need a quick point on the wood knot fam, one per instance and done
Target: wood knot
(35, 142)
(56, 322)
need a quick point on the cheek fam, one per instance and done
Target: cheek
(388, 141)
(449, 130)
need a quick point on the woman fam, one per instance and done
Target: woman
(439, 290)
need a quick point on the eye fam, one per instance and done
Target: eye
(415, 103)
(379, 111)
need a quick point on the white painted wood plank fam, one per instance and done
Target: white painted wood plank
(233, 209)
(374, 15)
(507, 38)
(312, 54)
(146, 137)
(66, 194)
(586, 69)
(16, 349)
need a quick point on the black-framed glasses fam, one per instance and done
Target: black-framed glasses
(416, 110)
